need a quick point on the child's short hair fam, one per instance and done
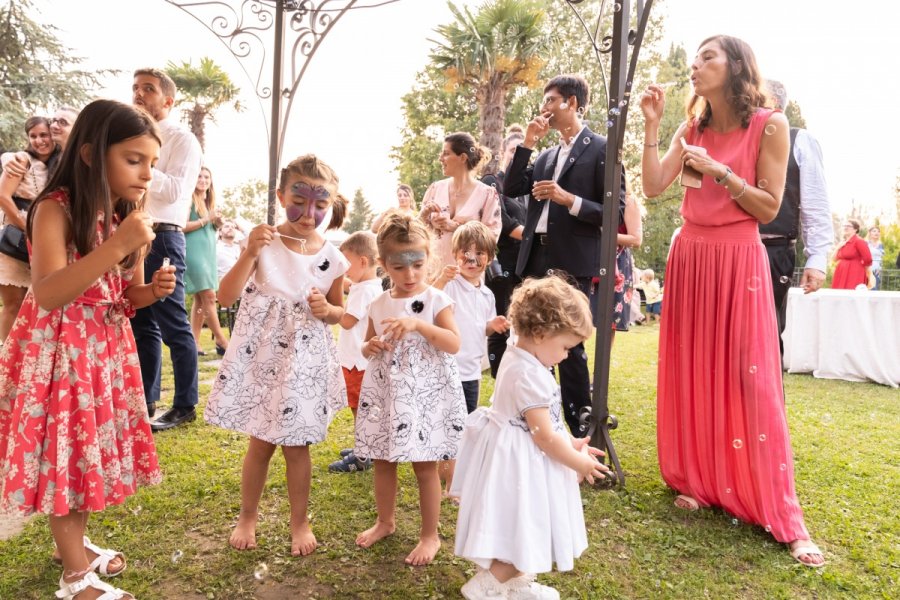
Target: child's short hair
(311, 167)
(648, 273)
(361, 243)
(401, 228)
(475, 232)
(550, 306)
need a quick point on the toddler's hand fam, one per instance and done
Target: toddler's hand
(499, 324)
(374, 347)
(318, 303)
(396, 329)
(260, 237)
(590, 468)
(163, 281)
(136, 231)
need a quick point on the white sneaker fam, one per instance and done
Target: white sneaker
(484, 586)
(524, 587)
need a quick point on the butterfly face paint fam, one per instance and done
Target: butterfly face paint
(314, 203)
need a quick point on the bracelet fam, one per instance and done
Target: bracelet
(743, 190)
(721, 180)
(646, 145)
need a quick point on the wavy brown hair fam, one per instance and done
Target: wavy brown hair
(745, 85)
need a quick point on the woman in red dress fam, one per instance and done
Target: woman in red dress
(721, 428)
(853, 258)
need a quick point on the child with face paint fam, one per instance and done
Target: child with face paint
(474, 249)
(280, 381)
(411, 406)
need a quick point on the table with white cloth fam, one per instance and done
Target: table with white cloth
(844, 334)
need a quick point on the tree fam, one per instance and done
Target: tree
(794, 117)
(489, 54)
(206, 88)
(360, 216)
(248, 201)
(37, 72)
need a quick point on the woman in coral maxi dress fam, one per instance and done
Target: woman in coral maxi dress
(721, 429)
(853, 258)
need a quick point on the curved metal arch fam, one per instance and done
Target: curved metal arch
(241, 26)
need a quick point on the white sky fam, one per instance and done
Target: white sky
(833, 61)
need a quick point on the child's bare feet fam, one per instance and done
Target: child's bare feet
(424, 551)
(374, 533)
(303, 542)
(244, 535)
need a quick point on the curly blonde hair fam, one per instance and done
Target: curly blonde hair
(550, 306)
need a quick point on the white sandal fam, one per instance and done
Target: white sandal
(68, 590)
(104, 557)
(807, 547)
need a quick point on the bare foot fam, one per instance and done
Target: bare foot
(807, 553)
(244, 535)
(686, 503)
(303, 542)
(374, 533)
(424, 551)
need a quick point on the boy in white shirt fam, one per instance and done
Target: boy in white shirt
(361, 251)
(474, 247)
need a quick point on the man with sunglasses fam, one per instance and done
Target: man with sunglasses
(168, 202)
(565, 211)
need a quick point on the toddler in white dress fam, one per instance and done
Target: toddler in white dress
(518, 468)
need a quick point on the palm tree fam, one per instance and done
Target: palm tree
(207, 87)
(490, 54)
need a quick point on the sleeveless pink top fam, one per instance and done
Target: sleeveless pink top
(711, 205)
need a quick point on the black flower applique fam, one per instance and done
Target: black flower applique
(323, 266)
(417, 306)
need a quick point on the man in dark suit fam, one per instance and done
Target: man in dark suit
(565, 211)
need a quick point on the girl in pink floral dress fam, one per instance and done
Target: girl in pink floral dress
(74, 432)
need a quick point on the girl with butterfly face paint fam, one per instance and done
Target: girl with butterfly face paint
(280, 381)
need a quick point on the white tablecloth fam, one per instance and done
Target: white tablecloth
(844, 334)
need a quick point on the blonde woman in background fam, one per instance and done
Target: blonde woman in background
(200, 274)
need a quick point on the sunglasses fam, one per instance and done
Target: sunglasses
(60, 122)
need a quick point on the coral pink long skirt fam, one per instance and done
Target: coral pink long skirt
(721, 431)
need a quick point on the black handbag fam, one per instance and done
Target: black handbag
(13, 241)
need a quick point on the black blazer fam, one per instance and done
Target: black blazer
(574, 241)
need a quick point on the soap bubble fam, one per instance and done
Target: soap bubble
(762, 437)
(762, 184)
(727, 490)
(784, 279)
(261, 571)
(783, 467)
(770, 129)
(768, 529)
(752, 369)
(734, 521)
(738, 444)
(176, 556)
(602, 272)
(753, 283)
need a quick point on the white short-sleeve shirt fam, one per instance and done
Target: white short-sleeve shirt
(474, 308)
(350, 341)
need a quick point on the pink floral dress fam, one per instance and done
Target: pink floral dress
(74, 432)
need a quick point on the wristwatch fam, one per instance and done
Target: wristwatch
(721, 180)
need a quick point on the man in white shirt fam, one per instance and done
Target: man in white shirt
(804, 211)
(168, 203)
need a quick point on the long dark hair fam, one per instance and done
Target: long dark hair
(102, 124)
(745, 85)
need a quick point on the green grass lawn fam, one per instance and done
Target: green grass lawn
(845, 438)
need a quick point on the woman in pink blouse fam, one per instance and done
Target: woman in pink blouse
(450, 202)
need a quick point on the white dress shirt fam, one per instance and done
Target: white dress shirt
(175, 174)
(564, 151)
(815, 211)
